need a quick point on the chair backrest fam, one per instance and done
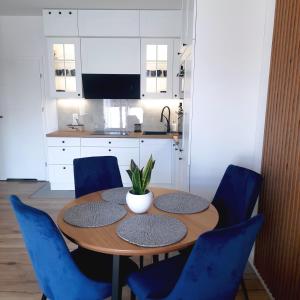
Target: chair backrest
(57, 274)
(236, 195)
(97, 173)
(215, 266)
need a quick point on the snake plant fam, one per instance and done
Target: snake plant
(140, 178)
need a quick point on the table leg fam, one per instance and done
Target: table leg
(116, 288)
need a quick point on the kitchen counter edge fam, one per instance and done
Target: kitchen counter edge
(89, 134)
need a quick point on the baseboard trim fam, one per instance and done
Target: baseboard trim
(261, 280)
(22, 179)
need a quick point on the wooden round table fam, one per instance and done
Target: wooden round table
(105, 239)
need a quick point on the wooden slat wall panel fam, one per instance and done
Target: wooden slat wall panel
(277, 255)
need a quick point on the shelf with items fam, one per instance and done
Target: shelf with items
(159, 68)
(156, 68)
(65, 67)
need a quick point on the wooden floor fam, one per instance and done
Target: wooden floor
(17, 280)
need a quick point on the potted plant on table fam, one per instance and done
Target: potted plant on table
(139, 198)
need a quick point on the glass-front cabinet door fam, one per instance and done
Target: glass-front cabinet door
(65, 67)
(156, 68)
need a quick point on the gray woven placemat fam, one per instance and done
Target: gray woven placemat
(94, 214)
(181, 203)
(152, 230)
(116, 195)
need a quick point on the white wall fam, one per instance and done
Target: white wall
(22, 41)
(22, 37)
(231, 51)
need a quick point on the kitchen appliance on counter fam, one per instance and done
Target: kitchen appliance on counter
(137, 127)
(75, 126)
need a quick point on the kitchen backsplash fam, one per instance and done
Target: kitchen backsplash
(114, 114)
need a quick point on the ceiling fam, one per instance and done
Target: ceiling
(34, 7)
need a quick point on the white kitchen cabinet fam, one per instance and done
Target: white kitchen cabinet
(64, 67)
(110, 142)
(176, 68)
(160, 23)
(124, 155)
(125, 178)
(63, 141)
(110, 55)
(60, 22)
(161, 151)
(108, 23)
(61, 153)
(180, 168)
(61, 177)
(188, 22)
(124, 149)
(156, 68)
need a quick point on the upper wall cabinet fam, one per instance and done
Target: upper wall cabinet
(156, 68)
(160, 66)
(160, 23)
(60, 22)
(108, 23)
(110, 55)
(188, 19)
(65, 67)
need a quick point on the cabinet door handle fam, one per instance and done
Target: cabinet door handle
(142, 141)
(63, 142)
(63, 149)
(64, 168)
(109, 150)
(109, 142)
(1, 117)
(180, 158)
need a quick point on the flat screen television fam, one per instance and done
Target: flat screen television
(111, 86)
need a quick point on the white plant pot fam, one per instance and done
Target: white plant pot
(139, 204)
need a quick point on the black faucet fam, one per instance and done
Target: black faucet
(167, 119)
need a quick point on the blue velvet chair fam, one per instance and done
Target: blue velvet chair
(63, 275)
(236, 195)
(97, 173)
(213, 271)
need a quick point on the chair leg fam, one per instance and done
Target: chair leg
(155, 259)
(44, 297)
(244, 289)
(141, 262)
(132, 296)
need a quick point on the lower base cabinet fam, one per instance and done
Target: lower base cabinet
(161, 151)
(61, 177)
(60, 168)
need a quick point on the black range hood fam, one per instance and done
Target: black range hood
(111, 86)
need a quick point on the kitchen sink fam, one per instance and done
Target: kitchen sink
(102, 132)
(155, 132)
